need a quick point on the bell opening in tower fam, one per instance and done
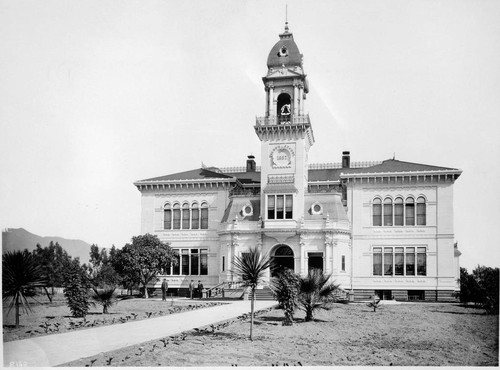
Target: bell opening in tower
(284, 109)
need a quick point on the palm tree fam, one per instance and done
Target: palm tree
(20, 273)
(316, 291)
(251, 267)
(104, 297)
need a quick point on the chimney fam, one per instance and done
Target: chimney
(346, 160)
(251, 163)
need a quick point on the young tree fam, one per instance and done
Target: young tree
(285, 289)
(144, 259)
(51, 260)
(101, 271)
(76, 288)
(316, 291)
(20, 273)
(487, 282)
(251, 267)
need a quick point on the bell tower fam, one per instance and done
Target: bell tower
(286, 135)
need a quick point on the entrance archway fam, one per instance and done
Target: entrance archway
(281, 259)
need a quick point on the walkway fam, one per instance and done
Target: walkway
(57, 349)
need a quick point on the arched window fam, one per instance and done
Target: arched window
(421, 211)
(186, 216)
(195, 216)
(167, 216)
(284, 108)
(398, 212)
(377, 212)
(387, 212)
(176, 225)
(410, 211)
(204, 215)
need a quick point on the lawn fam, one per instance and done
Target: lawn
(424, 334)
(49, 318)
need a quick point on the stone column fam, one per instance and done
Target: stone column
(328, 262)
(295, 100)
(302, 254)
(301, 99)
(272, 111)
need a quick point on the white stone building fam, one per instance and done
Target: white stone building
(378, 227)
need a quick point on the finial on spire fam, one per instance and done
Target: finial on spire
(286, 18)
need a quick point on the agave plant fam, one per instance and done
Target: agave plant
(251, 267)
(316, 291)
(104, 297)
(20, 274)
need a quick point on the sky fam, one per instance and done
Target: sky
(95, 95)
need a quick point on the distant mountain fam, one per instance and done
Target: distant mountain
(20, 239)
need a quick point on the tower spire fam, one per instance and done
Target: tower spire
(286, 18)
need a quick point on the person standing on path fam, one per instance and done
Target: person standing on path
(200, 289)
(191, 288)
(164, 289)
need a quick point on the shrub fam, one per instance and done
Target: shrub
(76, 289)
(285, 289)
(104, 297)
(316, 291)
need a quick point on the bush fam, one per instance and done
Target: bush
(76, 289)
(285, 289)
(104, 297)
(480, 287)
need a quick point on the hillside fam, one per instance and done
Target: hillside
(20, 239)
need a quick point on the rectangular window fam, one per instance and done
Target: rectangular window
(410, 261)
(176, 270)
(410, 214)
(223, 263)
(377, 215)
(195, 258)
(398, 214)
(288, 207)
(343, 263)
(167, 219)
(204, 218)
(399, 262)
(184, 262)
(421, 261)
(270, 207)
(204, 262)
(387, 261)
(280, 205)
(377, 261)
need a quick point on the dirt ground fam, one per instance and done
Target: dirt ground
(424, 334)
(50, 318)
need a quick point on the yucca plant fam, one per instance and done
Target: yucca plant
(251, 267)
(20, 274)
(104, 297)
(316, 291)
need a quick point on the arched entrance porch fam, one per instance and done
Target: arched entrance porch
(282, 258)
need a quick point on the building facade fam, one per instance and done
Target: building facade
(378, 227)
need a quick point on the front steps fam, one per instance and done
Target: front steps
(263, 294)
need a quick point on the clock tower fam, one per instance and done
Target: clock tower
(286, 136)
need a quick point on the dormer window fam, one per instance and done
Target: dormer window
(283, 52)
(247, 210)
(316, 209)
